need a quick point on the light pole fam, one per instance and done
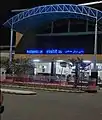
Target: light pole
(95, 47)
(94, 72)
(11, 43)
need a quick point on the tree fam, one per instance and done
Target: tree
(21, 66)
(4, 62)
(18, 66)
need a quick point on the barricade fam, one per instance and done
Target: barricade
(92, 88)
(44, 81)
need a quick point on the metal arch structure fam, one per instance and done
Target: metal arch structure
(38, 15)
(35, 16)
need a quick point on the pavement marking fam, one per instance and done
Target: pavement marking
(18, 91)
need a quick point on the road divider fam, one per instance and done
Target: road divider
(49, 86)
(45, 89)
(42, 85)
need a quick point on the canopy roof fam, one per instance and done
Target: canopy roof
(35, 17)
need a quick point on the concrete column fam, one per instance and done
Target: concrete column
(68, 25)
(94, 72)
(53, 68)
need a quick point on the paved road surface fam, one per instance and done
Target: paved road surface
(53, 106)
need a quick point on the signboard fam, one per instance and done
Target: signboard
(55, 51)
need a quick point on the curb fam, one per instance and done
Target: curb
(59, 90)
(6, 92)
(45, 89)
(18, 93)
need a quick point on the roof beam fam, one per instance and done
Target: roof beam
(70, 33)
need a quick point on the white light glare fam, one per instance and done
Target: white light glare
(70, 63)
(92, 3)
(60, 60)
(36, 60)
(86, 61)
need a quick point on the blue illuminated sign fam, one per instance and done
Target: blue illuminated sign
(55, 51)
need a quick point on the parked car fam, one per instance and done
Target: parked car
(1, 103)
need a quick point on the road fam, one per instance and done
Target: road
(53, 106)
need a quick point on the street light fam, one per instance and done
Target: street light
(92, 3)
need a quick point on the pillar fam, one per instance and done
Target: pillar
(52, 27)
(94, 72)
(87, 24)
(53, 68)
(68, 25)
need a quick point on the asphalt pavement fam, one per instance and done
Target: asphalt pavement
(53, 106)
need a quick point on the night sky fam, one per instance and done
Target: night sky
(6, 6)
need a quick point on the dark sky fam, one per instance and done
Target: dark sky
(7, 5)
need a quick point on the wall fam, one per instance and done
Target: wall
(18, 37)
(46, 65)
(5, 53)
(60, 70)
(64, 71)
(57, 57)
(100, 74)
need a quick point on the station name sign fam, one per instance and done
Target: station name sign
(55, 51)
